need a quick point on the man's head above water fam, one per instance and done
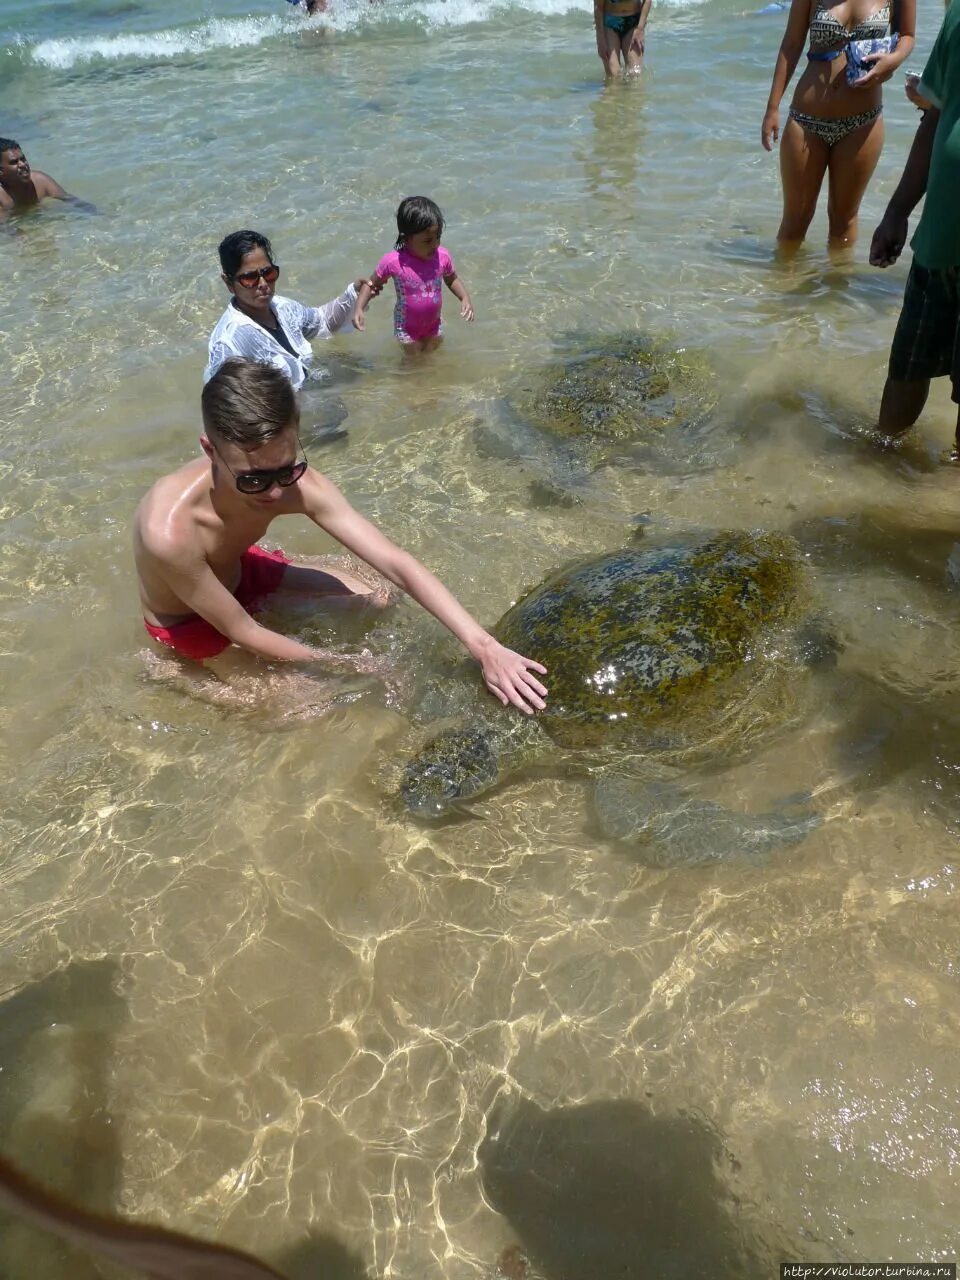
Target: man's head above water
(21, 186)
(13, 163)
(247, 403)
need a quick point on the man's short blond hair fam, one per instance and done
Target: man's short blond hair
(248, 403)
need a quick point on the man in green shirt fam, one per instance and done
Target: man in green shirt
(927, 341)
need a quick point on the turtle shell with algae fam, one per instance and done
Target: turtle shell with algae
(645, 636)
(618, 389)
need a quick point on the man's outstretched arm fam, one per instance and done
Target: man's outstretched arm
(508, 675)
(48, 187)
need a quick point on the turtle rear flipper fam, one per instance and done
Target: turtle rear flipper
(556, 472)
(676, 829)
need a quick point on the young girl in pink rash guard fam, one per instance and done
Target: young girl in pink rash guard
(419, 266)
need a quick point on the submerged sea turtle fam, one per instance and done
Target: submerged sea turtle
(624, 395)
(659, 650)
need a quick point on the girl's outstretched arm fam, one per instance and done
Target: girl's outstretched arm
(366, 291)
(457, 288)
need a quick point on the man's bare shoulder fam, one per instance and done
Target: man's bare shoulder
(44, 185)
(317, 493)
(169, 519)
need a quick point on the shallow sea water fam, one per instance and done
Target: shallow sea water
(242, 994)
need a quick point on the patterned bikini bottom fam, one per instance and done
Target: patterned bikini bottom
(832, 131)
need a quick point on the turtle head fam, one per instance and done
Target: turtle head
(453, 766)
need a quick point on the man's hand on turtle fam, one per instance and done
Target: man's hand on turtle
(508, 677)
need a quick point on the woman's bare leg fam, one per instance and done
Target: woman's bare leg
(803, 163)
(632, 49)
(852, 162)
(611, 59)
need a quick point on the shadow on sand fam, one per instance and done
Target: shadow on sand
(59, 1182)
(611, 1189)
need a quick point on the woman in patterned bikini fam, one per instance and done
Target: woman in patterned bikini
(835, 127)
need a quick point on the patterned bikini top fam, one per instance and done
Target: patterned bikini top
(828, 32)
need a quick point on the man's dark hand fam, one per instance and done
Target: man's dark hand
(888, 239)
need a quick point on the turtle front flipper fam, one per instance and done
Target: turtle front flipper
(468, 760)
(675, 829)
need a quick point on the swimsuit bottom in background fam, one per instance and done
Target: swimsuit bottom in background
(622, 26)
(261, 573)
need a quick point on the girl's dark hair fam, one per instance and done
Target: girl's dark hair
(234, 248)
(416, 213)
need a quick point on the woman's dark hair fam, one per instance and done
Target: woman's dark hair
(248, 403)
(8, 144)
(234, 247)
(416, 213)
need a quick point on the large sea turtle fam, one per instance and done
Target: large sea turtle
(658, 652)
(625, 396)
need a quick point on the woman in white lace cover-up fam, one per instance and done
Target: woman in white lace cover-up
(260, 325)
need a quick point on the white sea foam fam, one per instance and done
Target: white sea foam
(344, 15)
(217, 33)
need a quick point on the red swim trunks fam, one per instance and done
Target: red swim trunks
(261, 572)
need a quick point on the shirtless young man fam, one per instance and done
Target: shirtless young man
(202, 576)
(21, 186)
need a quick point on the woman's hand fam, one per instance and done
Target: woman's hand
(507, 676)
(770, 129)
(883, 67)
(373, 283)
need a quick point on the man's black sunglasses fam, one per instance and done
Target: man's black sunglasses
(261, 481)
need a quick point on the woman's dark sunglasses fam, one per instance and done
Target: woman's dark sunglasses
(249, 278)
(261, 481)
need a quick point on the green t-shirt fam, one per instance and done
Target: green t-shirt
(936, 243)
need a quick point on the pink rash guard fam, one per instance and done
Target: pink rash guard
(419, 283)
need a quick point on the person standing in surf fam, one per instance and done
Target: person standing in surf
(835, 129)
(621, 27)
(419, 266)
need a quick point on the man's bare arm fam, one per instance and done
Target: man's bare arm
(507, 674)
(46, 186)
(192, 580)
(891, 235)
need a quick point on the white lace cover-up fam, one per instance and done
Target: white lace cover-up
(237, 335)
